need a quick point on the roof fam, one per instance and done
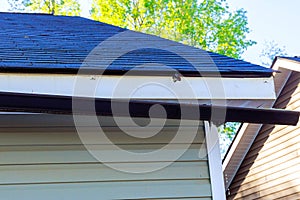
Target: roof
(295, 58)
(59, 44)
(248, 132)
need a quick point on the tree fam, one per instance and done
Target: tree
(15, 5)
(59, 7)
(209, 24)
(270, 51)
(227, 133)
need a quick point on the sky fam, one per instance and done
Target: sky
(268, 20)
(271, 20)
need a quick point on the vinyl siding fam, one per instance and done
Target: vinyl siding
(42, 157)
(270, 169)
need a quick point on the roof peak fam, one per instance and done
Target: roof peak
(42, 14)
(27, 13)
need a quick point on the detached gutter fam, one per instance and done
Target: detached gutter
(54, 104)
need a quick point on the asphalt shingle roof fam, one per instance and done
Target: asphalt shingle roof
(59, 44)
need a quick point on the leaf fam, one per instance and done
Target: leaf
(209, 24)
(58, 7)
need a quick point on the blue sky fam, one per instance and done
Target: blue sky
(268, 20)
(272, 20)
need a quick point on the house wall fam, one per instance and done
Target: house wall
(270, 169)
(42, 157)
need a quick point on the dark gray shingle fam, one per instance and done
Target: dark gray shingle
(59, 44)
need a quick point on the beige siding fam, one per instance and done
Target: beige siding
(42, 157)
(270, 169)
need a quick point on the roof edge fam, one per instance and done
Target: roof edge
(135, 72)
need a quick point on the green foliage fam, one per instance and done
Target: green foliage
(16, 5)
(229, 129)
(208, 24)
(270, 51)
(59, 7)
(227, 133)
